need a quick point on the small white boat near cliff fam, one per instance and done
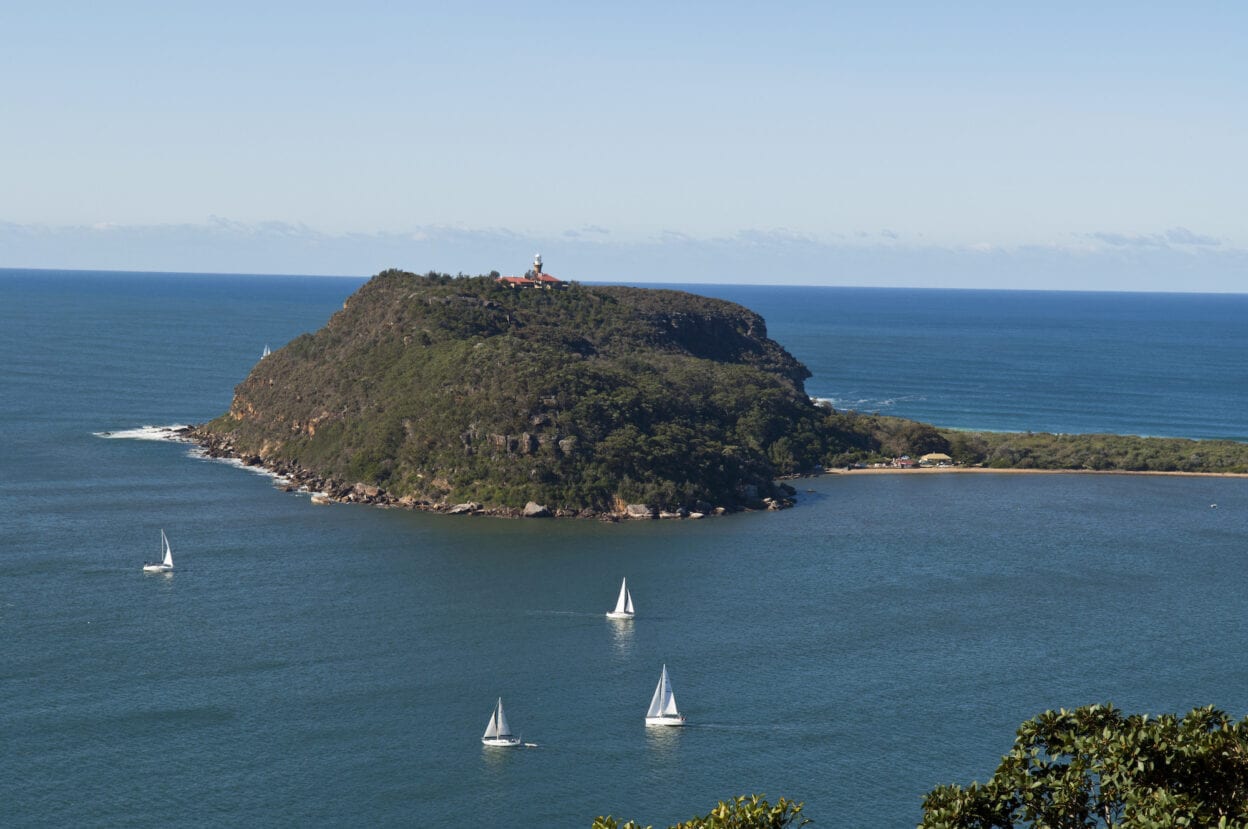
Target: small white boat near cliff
(266, 351)
(498, 732)
(166, 562)
(663, 704)
(623, 605)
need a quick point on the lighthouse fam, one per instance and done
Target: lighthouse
(534, 278)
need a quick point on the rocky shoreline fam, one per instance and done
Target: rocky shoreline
(296, 478)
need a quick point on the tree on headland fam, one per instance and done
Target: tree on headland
(751, 812)
(1096, 767)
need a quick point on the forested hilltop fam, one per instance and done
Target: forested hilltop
(440, 392)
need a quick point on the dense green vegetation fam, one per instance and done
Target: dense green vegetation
(458, 389)
(751, 812)
(1096, 767)
(441, 389)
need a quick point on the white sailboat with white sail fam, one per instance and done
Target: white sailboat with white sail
(663, 704)
(166, 557)
(623, 605)
(498, 733)
(267, 351)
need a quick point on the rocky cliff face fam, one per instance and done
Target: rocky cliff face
(449, 391)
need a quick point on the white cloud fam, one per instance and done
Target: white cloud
(1174, 236)
(1183, 236)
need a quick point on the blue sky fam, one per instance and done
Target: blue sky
(1055, 145)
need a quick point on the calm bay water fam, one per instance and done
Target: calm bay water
(336, 665)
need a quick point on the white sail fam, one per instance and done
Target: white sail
(624, 604)
(663, 709)
(503, 729)
(661, 692)
(669, 707)
(165, 563)
(491, 730)
(498, 733)
(267, 352)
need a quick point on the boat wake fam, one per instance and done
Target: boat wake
(744, 728)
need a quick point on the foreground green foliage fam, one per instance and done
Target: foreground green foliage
(1096, 767)
(751, 812)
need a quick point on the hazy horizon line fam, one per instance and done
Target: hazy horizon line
(6, 270)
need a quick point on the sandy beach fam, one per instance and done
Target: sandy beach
(960, 470)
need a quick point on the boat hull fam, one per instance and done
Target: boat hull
(157, 568)
(621, 614)
(500, 742)
(661, 721)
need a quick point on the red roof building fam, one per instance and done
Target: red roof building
(534, 278)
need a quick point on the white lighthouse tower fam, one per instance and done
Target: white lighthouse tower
(537, 264)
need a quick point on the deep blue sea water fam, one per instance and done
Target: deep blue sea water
(1171, 365)
(336, 665)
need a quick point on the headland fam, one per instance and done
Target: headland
(532, 396)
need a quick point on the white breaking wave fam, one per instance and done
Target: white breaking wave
(171, 433)
(868, 404)
(277, 478)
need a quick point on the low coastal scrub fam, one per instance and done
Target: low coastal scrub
(1124, 453)
(872, 438)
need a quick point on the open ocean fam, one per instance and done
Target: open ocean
(331, 666)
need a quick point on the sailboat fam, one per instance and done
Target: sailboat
(166, 562)
(267, 352)
(623, 605)
(663, 704)
(498, 733)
